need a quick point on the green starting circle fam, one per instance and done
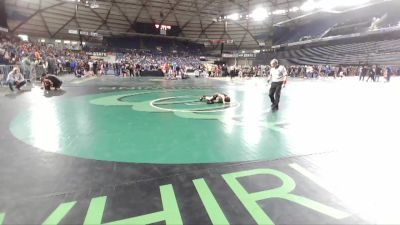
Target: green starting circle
(153, 126)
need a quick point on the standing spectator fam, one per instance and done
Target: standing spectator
(378, 73)
(137, 68)
(95, 65)
(371, 74)
(26, 68)
(388, 74)
(363, 72)
(74, 66)
(309, 71)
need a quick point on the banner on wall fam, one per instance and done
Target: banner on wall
(239, 55)
(99, 54)
(110, 57)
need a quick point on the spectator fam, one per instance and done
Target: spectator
(16, 79)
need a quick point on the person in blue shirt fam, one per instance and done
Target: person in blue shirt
(74, 66)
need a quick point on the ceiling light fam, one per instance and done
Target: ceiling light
(234, 16)
(309, 5)
(94, 5)
(279, 12)
(259, 14)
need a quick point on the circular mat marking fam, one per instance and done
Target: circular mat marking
(187, 104)
(158, 126)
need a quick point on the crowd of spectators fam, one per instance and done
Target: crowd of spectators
(315, 71)
(365, 72)
(35, 58)
(133, 62)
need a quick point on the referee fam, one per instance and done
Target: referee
(277, 77)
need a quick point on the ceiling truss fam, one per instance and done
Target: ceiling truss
(196, 18)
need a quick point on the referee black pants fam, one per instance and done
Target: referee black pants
(275, 93)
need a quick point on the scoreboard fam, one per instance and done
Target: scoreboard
(156, 29)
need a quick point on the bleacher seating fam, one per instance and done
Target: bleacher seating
(313, 29)
(372, 52)
(347, 22)
(156, 44)
(122, 42)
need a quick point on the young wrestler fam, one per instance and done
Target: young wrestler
(217, 98)
(50, 81)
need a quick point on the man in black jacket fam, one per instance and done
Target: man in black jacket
(363, 73)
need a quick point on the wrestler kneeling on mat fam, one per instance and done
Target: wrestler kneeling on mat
(217, 98)
(50, 81)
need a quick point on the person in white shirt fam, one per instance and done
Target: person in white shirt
(16, 79)
(277, 77)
